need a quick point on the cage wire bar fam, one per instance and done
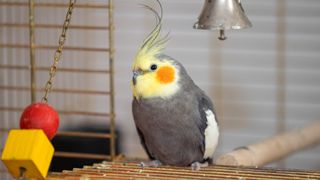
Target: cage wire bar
(281, 72)
(109, 28)
(32, 51)
(111, 79)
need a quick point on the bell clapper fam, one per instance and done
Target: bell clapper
(222, 35)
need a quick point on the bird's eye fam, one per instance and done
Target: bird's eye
(153, 67)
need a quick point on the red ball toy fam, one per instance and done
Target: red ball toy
(40, 116)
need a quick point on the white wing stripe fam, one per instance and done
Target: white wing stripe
(211, 135)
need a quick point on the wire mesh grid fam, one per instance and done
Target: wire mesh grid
(74, 95)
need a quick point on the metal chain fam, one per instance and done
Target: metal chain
(58, 52)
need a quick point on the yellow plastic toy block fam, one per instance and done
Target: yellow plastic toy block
(29, 149)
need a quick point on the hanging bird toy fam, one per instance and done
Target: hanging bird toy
(28, 151)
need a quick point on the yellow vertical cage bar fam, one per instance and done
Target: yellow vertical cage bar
(111, 81)
(32, 51)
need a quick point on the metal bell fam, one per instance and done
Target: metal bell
(222, 15)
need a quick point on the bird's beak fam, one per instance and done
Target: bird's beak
(136, 73)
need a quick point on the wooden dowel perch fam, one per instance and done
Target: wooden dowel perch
(274, 148)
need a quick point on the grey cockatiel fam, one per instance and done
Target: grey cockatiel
(174, 118)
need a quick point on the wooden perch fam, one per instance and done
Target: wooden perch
(274, 148)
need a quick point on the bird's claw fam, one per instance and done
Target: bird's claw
(153, 163)
(196, 166)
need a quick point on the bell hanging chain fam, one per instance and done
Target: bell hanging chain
(58, 52)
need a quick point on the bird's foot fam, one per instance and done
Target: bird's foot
(196, 166)
(153, 163)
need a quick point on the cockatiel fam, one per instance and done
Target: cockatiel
(174, 118)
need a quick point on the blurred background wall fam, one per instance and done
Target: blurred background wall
(262, 80)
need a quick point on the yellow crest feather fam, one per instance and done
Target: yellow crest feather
(153, 44)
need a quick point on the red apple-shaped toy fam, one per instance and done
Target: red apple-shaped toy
(40, 116)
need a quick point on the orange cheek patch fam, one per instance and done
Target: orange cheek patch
(165, 74)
